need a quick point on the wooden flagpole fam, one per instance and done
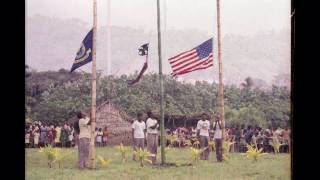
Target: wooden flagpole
(221, 89)
(93, 89)
(162, 135)
(109, 37)
(109, 47)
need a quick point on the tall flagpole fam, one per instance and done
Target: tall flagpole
(109, 37)
(221, 94)
(109, 46)
(162, 141)
(94, 87)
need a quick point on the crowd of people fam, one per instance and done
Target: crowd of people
(146, 131)
(241, 135)
(39, 134)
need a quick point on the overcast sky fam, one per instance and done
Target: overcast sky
(237, 16)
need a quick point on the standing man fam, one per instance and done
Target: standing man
(203, 128)
(84, 140)
(138, 133)
(218, 137)
(152, 136)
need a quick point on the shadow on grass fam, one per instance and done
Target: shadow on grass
(168, 165)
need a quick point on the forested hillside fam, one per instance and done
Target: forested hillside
(55, 96)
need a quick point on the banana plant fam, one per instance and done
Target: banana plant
(195, 153)
(123, 151)
(254, 152)
(104, 162)
(226, 149)
(51, 154)
(143, 156)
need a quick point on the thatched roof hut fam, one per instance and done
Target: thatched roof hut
(117, 122)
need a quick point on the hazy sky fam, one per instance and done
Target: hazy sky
(237, 16)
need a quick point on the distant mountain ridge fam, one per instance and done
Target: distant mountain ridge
(52, 44)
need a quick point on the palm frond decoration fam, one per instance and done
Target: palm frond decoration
(143, 156)
(104, 162)
(254, 152)
(123, 151)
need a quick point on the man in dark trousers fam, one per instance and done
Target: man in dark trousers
(203, 128)
(218, 137)
(152, 136)
(84, 140)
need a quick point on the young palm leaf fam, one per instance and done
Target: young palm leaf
(123, 151)
(59, 157)
(196, 143)
(254, 152)
(173, 139)
(195, 153)
(276, 146)
(226, 149)
(51, 154)
(212, 145)
(104, 162)
(187, 143)
(143, 156)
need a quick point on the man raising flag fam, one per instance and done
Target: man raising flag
(200, 57)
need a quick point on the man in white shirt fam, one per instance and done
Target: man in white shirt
(218, 138)
(84, 140)
(203, 128)
(138, 133)
(152, 136)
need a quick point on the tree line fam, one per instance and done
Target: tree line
(56, 96)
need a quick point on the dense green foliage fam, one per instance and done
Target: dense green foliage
(57, 96)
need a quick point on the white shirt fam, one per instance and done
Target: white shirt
(204, 127)
(138, 129)
(217, 132)
(152, 122)
(84, 128)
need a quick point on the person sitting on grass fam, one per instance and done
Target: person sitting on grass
(138, 133)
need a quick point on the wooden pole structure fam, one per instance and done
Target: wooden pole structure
(109, 37)
(162, 135)
(221, 89)
(93, 89)
(109, 45)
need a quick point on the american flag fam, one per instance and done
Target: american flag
(200, 57)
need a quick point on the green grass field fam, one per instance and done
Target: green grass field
(238, 167)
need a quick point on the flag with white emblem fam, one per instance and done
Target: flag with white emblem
(84, 55)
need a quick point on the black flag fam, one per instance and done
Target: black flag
(142, 51)
(84, 54)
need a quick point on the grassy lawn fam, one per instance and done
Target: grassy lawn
(238, 167)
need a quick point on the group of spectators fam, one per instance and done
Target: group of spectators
(241, 135)
(38, 134)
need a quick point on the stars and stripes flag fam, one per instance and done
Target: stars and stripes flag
(200, 57)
